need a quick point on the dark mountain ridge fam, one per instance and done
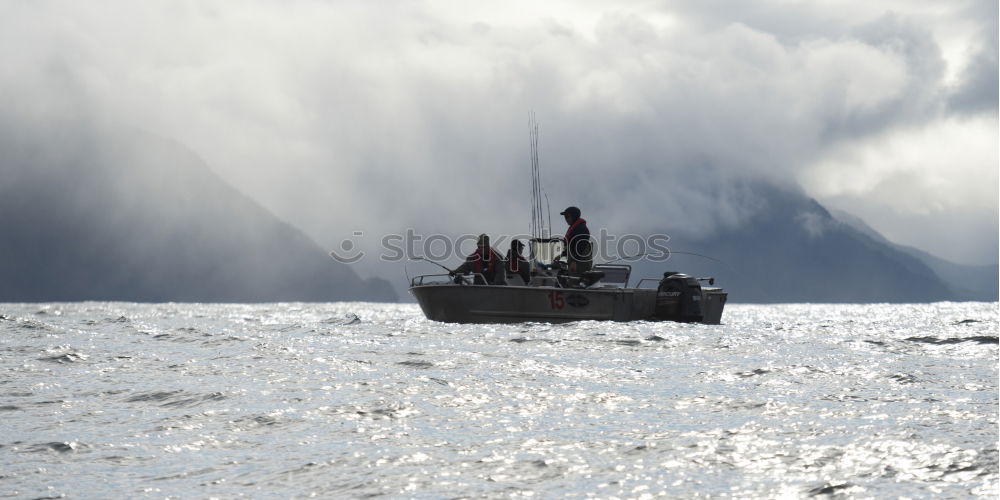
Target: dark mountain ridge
(792, 250)
(112, 214)
(969, 281)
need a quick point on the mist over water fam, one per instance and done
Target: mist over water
(106, 400)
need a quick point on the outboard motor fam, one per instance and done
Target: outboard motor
(678, 298)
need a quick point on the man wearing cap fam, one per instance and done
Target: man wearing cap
(578, 250)
(484, 262)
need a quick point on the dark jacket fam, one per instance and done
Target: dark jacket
(578, 245)
(519, 266)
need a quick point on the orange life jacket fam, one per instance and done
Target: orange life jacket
(572, 226)
(569, 232)
(484, 262)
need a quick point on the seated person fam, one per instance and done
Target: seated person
(484, 262)
(516, 263)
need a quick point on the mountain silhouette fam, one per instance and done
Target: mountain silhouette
(114, 214)
(969, 281)
(792, 250)
(91, 212)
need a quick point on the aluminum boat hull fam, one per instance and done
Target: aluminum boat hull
(462, 303)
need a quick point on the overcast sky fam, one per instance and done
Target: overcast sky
(342, 116)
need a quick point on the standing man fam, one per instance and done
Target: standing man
(579, 250)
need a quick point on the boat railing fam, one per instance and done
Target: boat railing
(466, 279)
(656, 280)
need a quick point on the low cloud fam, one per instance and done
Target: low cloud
(350, 116)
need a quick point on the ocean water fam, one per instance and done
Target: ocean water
(350, 400)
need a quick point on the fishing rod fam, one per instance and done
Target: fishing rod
(432, 262)
(625, 258)
(713, 259)
(549, 208)
(731, 269)
(537, 216)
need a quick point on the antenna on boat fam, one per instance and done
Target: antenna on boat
(548, 230)
(542, 246)
(538, 223)
(536, 212)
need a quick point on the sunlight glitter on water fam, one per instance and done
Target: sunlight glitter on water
(355, 399)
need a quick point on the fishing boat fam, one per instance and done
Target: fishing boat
(553, 295)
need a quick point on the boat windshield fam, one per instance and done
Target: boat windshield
(545, 250)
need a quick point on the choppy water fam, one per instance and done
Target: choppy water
(103, 400)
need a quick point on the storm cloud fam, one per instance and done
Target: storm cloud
(376, 117)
